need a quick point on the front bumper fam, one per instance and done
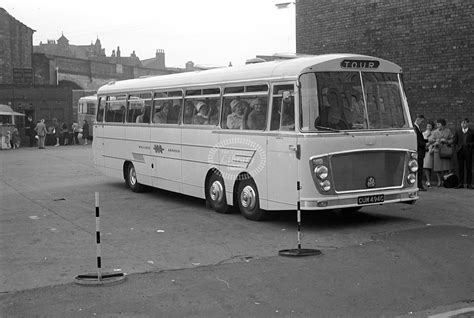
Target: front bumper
(350, 200)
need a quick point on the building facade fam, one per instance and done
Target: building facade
(433, 41)
(45, 81)
(16, 47)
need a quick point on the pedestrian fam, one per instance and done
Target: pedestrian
(75, 132)
(41, 133)
(30, 130)
(85, 131)
(56, 132)
(441, 137)
(64, 133)
(15, 141)
(420, 148)
(463, 145)
(428, 161)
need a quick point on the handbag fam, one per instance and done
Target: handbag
(445, 152)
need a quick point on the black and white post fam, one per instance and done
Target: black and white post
(298, 252)
(99, 278)
(298, 213)
(97, 233)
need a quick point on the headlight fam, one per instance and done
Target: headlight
(413, 165)
(411, 178)
(321, 172)
(325, 185)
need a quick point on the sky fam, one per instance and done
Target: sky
(207, 32)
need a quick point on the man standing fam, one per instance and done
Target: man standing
(463, 145)
(41, 131)
(421, 149)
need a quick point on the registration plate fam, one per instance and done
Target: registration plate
(369, 199)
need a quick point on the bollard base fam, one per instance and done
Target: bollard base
(93, 279)
(299, 252)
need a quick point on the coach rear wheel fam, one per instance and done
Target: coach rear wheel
(131, 179)
(215, 194)
(248, 201)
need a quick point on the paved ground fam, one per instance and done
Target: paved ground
(184, 260)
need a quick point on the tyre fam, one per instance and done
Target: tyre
(249, 201)
(131, 179)
(215, 194)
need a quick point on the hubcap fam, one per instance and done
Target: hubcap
(216, 191)
(133, 176)
(248, 198)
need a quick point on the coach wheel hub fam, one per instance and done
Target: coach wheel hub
(248, 198)
(217, 191)
(133, 176)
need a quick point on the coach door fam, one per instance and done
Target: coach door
(282, 149)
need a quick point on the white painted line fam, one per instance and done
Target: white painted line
(453, 313)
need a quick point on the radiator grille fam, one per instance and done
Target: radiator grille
(350, 171)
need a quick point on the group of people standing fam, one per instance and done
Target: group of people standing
(58, 132)
(438, 146)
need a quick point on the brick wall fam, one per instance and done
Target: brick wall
(432, 40)
(16, 46)
(41, 101)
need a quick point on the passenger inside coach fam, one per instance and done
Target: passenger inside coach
(258, 115)
(331, 113)
(188, 112)
(201, 117)
(235, 119)
(161, 116)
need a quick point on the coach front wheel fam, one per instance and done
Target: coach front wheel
(215, 194)
(248, 201)
(131, 179)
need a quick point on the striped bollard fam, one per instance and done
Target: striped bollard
(99, 278)
(97, 234)
(299, 252)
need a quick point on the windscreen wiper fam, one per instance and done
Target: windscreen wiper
(327, 128)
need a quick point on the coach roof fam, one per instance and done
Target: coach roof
(287, 69)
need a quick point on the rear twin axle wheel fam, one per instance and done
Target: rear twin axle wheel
(246, 196)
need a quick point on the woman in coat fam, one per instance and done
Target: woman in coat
(441, 136)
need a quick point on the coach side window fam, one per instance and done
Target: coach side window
(115, 109)
(206, 111)
(100, 110)
(283, 108)
(202, 106)
(135, 109)
(114, 112)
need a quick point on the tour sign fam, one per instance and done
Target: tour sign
(360, 64)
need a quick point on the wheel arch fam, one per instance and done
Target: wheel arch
(124, 168)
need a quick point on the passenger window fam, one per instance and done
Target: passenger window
(245, 112)
(202, 111)
(135, 109)
(167, 111)
(100, 110)
(283, 108)
(114, 112)
(206, 111)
